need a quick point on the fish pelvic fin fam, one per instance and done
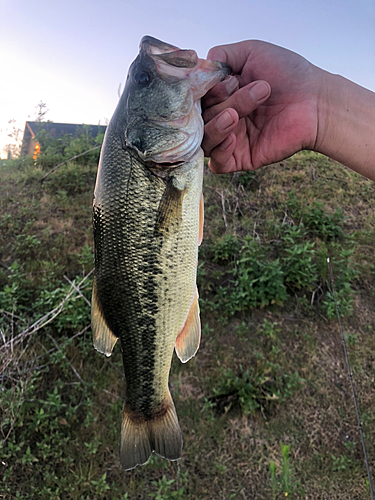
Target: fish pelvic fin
(103, 338)
(188, 340)
(140, 436)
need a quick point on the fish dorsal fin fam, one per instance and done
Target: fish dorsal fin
(201, 219)
(103, 338)
(188, 340)
(170, 207)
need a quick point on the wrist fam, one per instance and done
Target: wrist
(346, 123)
(332, 101)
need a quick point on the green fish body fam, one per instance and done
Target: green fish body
(148, 223)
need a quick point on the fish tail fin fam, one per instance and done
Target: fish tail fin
(165, 431)
(140, 436)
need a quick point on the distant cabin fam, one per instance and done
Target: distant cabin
(31, 147)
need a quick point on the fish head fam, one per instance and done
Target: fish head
(160, 113)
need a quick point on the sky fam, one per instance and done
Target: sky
(74, 55)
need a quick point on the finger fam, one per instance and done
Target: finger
(222, 160)
(218, 53)
(220, 92)
(234, 54)
(217, 130)
(244, 100)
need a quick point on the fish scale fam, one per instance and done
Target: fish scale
(148, 220)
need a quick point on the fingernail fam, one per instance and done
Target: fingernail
(225, 144)
(259, 91)
(231, 84)
(224, 121)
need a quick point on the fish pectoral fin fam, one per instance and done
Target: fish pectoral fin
(188, 340)
(140, 437)
(103, 338)
(170, 208)
(201, 219)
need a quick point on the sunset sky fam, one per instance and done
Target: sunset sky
(73, 55)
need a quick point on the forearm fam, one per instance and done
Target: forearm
(346, 126)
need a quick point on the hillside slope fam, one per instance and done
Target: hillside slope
(265, 407)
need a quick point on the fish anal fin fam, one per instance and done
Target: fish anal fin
(201, 219)
(188, 340)
(103, 338)
(140, 437)
(170, 207)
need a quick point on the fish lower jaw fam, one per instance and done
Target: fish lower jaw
(192, 128)
(166, 169)
(176, 160)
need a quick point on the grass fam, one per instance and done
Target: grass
(265, 407)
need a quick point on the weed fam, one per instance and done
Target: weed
(248, 179)
(165, 491)
(298, 266)
(340, 463)
(226, 248)
(101, 485)
(17, 294)
(321, 224)
(265, 383)
(258, 387)
(282, 477)
(76, 312)
(344, 273)
(60, 401)
(269, 329)
(86, 258)
(316, 220)
(257, 281)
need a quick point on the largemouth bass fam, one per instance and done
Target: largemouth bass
(148, 223)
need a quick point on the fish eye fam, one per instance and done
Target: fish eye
(142, 78)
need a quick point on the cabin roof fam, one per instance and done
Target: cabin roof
(56, 130)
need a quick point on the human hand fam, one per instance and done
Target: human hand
(264, 113)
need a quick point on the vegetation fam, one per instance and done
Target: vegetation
(265, 407)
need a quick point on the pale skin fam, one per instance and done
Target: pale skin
(277, 103)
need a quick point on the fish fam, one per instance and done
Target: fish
(148, 223)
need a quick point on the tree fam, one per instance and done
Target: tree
(13, 148)
(40, 111)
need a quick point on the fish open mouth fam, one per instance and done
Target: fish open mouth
(172, 62)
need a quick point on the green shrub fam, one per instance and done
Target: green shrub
(319, 223)
(258, 387)
(18, 291)
(76, 312)
(258, 281)
(344, 273)
(298, 265)
(225, 249)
